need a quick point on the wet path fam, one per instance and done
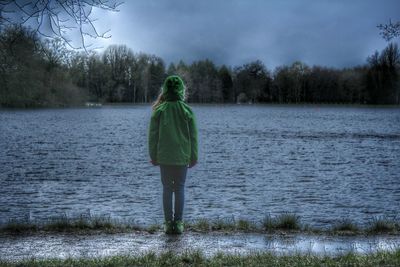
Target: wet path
(61, 245)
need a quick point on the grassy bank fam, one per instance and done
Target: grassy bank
(198, 259)
(286, 222)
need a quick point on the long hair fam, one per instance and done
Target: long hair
(161, 99)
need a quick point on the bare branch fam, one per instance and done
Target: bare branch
(58, 18)
(390, 30)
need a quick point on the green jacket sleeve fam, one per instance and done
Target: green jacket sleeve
(193, 138)
(153, 136)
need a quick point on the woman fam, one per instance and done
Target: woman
(173, 146)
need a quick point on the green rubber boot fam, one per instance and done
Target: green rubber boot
(168, 227)
(179, 227)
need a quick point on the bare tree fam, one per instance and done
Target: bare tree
(390, 30)
(58, 18)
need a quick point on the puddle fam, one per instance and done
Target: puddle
(61, 245)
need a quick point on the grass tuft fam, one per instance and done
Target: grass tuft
(64, 224)
(288, 221)
(153, 228)
(381, 225)
(201, 225)
(82, 223)
(346, 225)
(223, 224)
(268, 223)
(16, 227)
(246, 226)
(285, 221)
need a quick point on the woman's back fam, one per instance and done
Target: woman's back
(173, 133)
(176, 127)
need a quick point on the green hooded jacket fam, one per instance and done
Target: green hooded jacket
(172, 132)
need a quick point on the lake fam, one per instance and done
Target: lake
(324, 163)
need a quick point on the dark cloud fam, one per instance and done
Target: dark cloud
(317, 32)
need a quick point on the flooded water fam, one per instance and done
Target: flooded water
(63, 245)
(324, 163)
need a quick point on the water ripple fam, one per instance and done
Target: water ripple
(324, 164)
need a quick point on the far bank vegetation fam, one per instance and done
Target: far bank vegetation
(37, 73)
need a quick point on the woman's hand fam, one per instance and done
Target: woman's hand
(155, 163)
(193, 163)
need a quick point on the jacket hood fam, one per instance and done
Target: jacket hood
(173, 88)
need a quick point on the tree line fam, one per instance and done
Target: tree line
(36, 72)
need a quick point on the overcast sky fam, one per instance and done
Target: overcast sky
(336, 33)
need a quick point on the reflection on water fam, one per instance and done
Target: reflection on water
(323, 163)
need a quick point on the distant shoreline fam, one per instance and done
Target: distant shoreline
(116, 104)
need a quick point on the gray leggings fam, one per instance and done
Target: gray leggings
(173, 181)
